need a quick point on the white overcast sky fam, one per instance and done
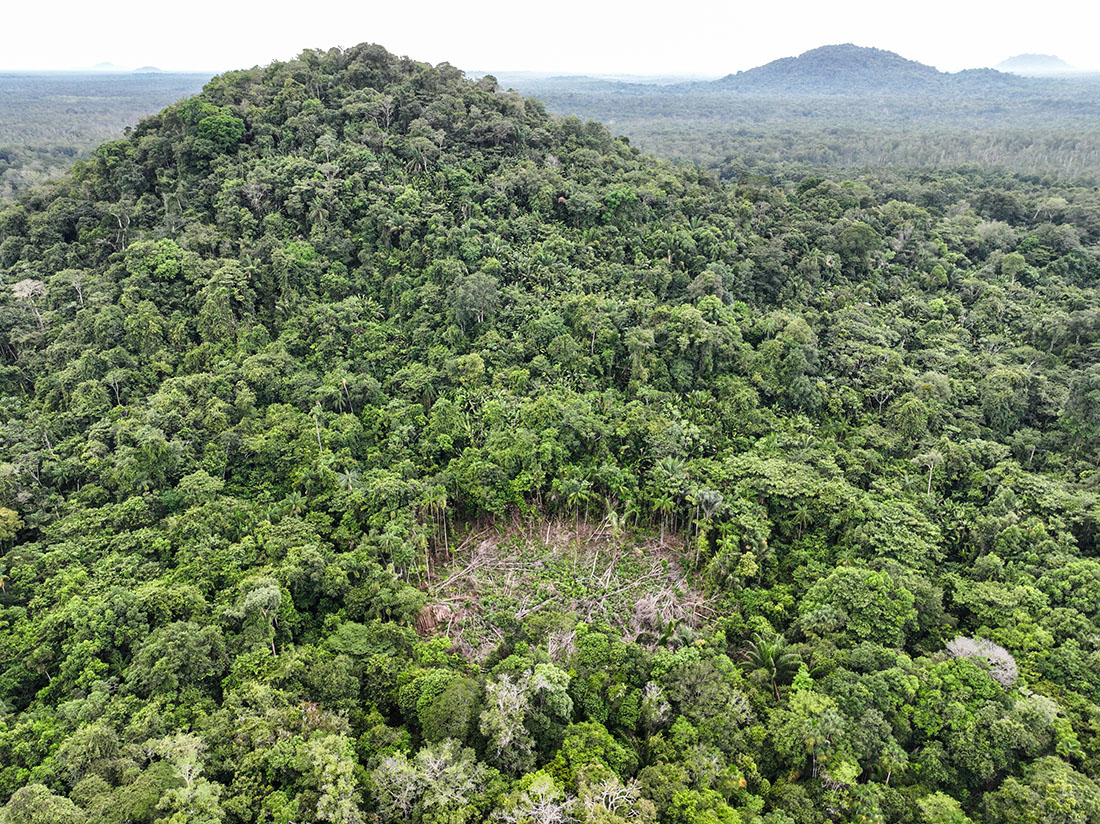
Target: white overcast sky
(680, 37)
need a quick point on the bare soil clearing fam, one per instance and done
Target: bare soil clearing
(511, 572)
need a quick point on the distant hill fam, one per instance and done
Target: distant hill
(834, 69)
(148, 70)
(850, 69)
(837, 70)
(1036, 64)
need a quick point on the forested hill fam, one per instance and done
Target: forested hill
(848, 69)
(379, 448)
(1035, 65)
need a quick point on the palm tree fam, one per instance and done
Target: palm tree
(318, 212)
(710, 500)
(663, 504)
(578, 491)
(772, 657)
(801, 516)
(347, 478)
(295, 502)
(436, 501)
(677, 633)
(631, 509)
(671, 468)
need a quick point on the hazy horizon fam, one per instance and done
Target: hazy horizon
(703, 38)
(108, 67)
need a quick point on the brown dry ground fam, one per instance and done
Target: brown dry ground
(551, 574)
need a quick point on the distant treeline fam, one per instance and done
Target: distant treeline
(1050, 128)
(49, 120)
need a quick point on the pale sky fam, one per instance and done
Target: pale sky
(682, 37)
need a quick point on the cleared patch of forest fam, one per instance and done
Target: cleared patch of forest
(500, 577)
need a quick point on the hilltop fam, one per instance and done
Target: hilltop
(851, 70)
(1037, 65)
(107, 66)
(838, 69)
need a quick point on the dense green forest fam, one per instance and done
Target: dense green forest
(380, 448)
(50, 119)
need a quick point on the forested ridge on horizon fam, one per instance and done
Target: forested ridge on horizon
(377, 447)
(841, 109)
